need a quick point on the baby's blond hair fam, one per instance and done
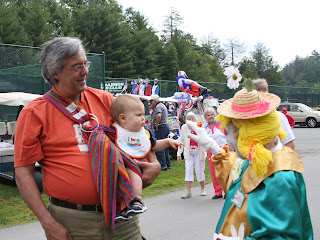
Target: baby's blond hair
(121, 104)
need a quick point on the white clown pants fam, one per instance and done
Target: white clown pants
(199, 166)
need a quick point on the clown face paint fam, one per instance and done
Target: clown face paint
(232, 138)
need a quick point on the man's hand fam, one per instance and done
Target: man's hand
(55, 231)
(179, 159)
(150, 170)
(158, 118)
(31, 195)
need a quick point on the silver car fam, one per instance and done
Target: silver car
(302, 114)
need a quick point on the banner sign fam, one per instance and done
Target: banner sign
(114, 87)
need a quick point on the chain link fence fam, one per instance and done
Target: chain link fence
(306, 95)
(20, 71)
(167, 88)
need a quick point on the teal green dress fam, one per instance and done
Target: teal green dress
(275, 207)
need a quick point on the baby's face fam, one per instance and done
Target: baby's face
(134, 117)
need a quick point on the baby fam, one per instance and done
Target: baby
(131, 137)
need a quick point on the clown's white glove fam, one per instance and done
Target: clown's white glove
(203, 138)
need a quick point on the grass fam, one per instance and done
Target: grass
(171, 180)
(14, 211)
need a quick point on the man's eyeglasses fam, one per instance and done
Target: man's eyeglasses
(79, 68)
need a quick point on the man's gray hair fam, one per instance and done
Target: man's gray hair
(209, 110)
(54, 55)
(261, 85)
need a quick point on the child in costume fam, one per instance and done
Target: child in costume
(266, 193)
(290, 119)
(193, 155)
(136, 141)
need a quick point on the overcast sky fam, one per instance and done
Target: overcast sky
(286, 28)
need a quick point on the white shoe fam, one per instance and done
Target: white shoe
(203, 192)
(186, 195)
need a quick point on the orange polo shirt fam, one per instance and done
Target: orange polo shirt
(46, 135)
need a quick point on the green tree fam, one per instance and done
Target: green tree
(211, 70)
(303, 72)
(171, 24)
(191, 63)
(292, 70)
(11, 30)
(212, 46)
(184, 43)
(145, 45)
(261, 65)
(35, 18)
(61, 19)
(247, 68)
(234, 48)
(169, 61)
(103, 29)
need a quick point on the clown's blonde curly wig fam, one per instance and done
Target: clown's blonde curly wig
(254, 134)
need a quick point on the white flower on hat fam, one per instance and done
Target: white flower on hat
(234, 77)
(236, 172)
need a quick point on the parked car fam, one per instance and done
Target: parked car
(7, 148)
(302, 114)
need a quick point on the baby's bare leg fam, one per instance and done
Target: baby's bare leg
(136, 183)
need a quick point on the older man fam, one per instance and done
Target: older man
(261, 85)
(45, 134)
(161, 129)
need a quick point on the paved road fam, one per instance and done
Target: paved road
(171, 218)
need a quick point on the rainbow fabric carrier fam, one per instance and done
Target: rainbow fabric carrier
(108, 163)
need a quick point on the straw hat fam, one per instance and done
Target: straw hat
(245, 105)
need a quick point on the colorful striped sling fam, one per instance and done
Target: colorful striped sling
(107, 161)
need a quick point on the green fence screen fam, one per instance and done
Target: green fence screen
(167, 88)
(20, 72)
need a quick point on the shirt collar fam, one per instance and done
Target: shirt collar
(278, 146)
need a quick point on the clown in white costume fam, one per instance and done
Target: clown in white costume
(131, 137)
(194, 156)
(266, 194)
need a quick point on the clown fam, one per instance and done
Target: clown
(190, 86)
(262, 178)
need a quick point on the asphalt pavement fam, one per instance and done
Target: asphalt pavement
(171, 218)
